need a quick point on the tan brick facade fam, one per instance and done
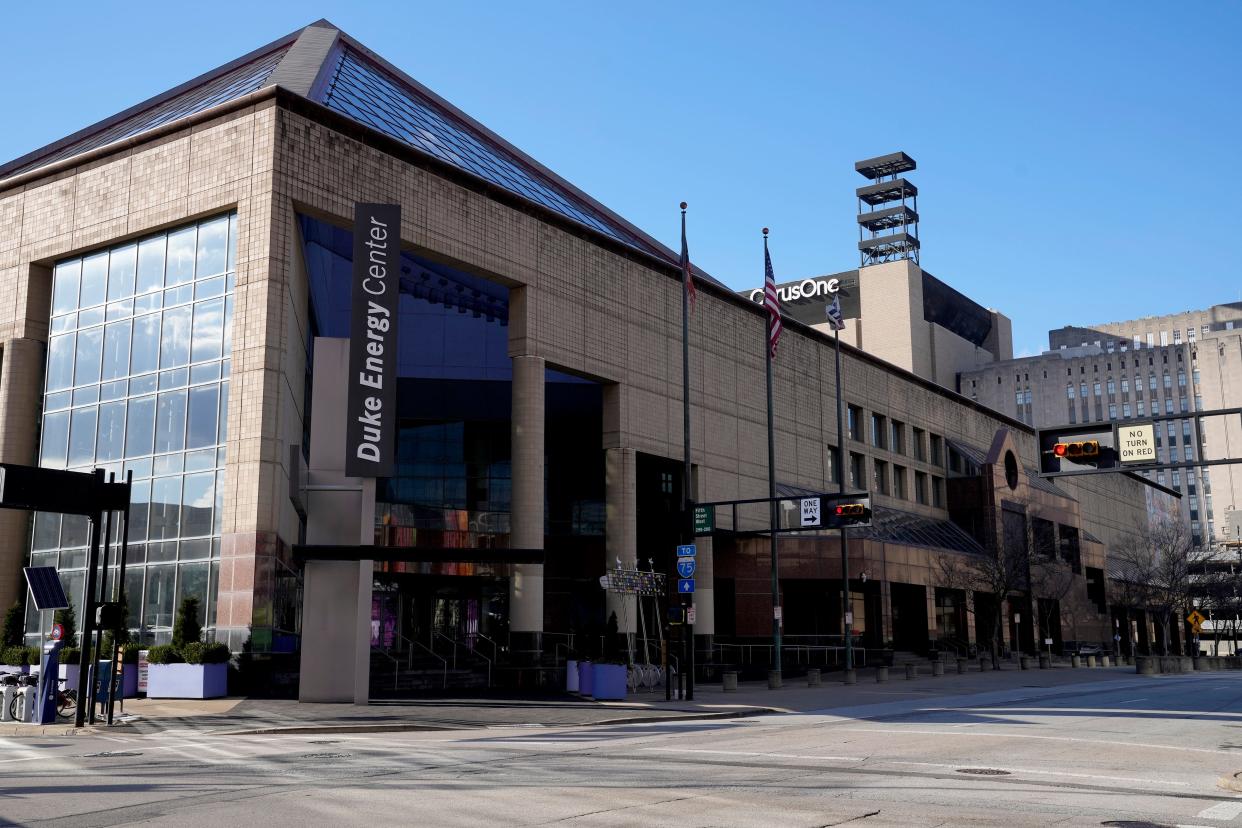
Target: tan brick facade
(583, 306)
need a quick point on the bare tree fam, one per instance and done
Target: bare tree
(999, 574)
(1053, 581)
(1160, 564)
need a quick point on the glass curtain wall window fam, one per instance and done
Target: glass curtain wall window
(138, 380)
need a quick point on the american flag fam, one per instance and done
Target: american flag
(686, 277)
(771, 302)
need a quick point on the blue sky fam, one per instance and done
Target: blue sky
(1078, 162)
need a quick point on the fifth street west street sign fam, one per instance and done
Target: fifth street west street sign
(1136, 443)
(704, 520)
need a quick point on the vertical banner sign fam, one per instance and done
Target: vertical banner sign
(371, 421)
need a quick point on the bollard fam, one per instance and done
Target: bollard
(1075, 661)
(984, 664)
(1196, 663)
(961, 666)
(1045, 661)
(812, 677)
(1091, 661)
(851, 676)
(774, 679)
(912, 670)
(1145, 666)
(1185, 665)
(1104, 662)
(881, 675)
(937, 668)
(1024, 662)
(730, 681)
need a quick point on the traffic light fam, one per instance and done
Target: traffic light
(1081, 451)
(850, 510)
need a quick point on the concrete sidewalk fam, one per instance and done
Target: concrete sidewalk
(237, 715)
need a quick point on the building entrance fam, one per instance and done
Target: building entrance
(434, 632)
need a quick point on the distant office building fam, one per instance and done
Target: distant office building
(1182, 363)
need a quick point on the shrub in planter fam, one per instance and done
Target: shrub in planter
(70, 655)
(216, 652)
(164, 654)
(187, 668)
(14, 631)
(19, 656)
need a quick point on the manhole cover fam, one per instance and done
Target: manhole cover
(1129, 823)
(983, 771)
(324, 742)
(326, 755)
(109, 754)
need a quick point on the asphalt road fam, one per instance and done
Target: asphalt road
(1134, 750)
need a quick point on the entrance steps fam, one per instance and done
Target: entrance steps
(422, 676)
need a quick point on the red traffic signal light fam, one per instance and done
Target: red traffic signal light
(850, 512)
(1083, 450)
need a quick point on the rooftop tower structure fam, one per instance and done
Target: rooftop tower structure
(887, 233)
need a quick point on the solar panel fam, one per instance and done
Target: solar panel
(45, 587)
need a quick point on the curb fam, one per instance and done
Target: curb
(1232, 782)
(396, 727)
(294, 730)
(683, 717)
(48, 730)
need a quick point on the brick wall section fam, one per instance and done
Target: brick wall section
(212, 167)
(584, 308)
(596, 312)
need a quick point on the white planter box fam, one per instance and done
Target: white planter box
(571, 676)
(187, 681)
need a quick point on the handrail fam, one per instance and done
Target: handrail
(444, 667)
(472, 651)
(489, 640)
(396, 666)
(451, 641)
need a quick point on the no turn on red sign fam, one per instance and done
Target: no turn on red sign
(1136, 443)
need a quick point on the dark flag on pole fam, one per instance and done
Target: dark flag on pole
(835, 318)
(771, 302)
(686, 277)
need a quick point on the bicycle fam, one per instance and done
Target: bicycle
(66, 701)
(16, 708)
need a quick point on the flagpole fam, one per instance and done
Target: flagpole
(772, 510)
(845, 558)
(687, 500)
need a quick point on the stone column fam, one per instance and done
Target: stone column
(526, 521)
(21, 384)
(621, 533)
(933, 630)
(705, 594)
(971, 619)
(336, 597)
(886, 609)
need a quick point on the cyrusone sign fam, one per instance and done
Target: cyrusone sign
(371, 420)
